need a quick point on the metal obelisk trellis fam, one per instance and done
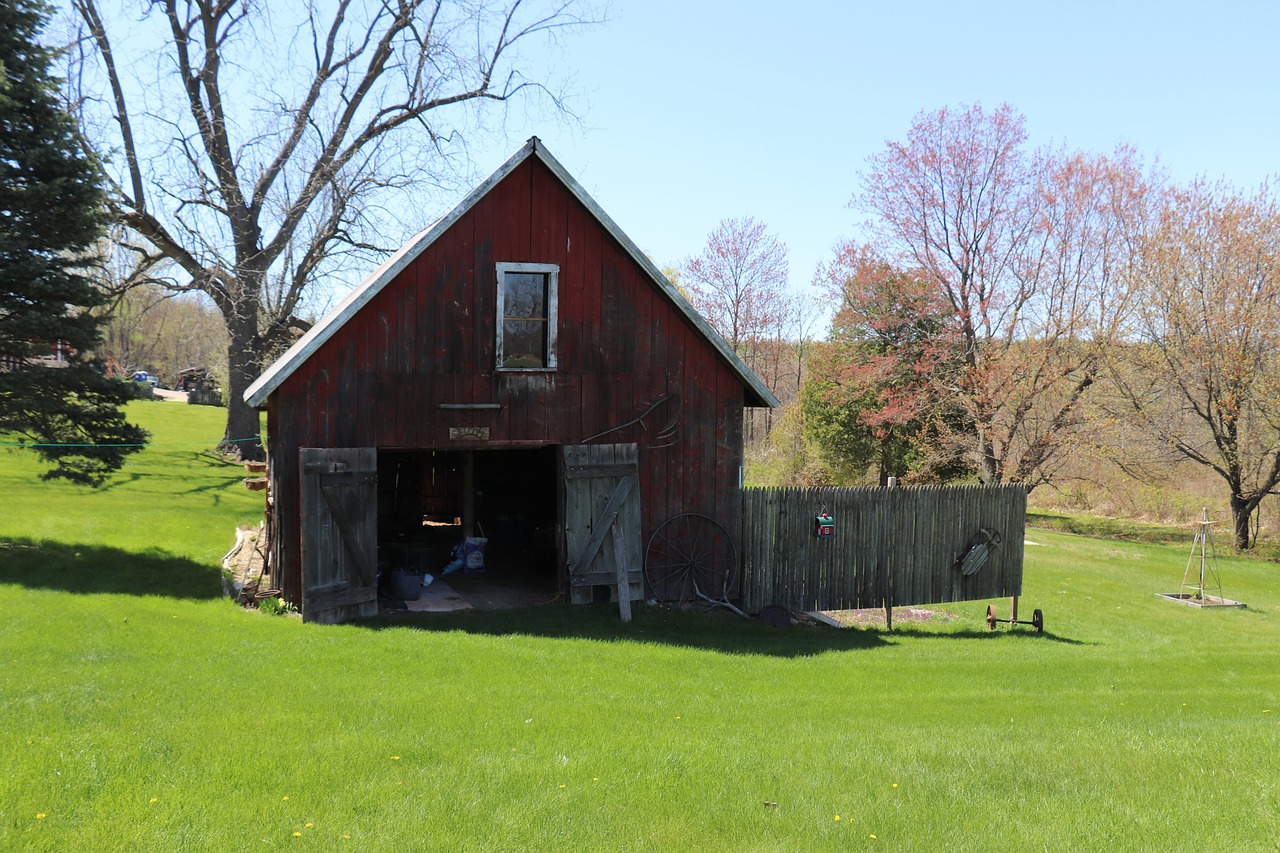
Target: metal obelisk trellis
(1201, 586)
(1203, 566)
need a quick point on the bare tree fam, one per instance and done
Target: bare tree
(255, 146)
(739, 284)
(1202, 372)
(1025, 248)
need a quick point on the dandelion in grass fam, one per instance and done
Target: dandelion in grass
(837, 817)
(297, 835)
(895, 784)
(870, 836)
(285, 797)
(395, 758)
(562, 786)
(39, 815)
(155, 799)
(308, 823)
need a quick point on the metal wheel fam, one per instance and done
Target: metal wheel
(690, 557)
(991, 617)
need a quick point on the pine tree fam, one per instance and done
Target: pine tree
(51, 214)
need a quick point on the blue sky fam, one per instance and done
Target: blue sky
(698, 111)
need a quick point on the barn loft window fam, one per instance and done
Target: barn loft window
(527, 316)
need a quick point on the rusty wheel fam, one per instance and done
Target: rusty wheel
(991, 617)
(690, 558)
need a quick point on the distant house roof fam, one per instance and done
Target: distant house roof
(271, 379)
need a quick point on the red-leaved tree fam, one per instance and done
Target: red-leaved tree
(1027, 249)
(888, 375)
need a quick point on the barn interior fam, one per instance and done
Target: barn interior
(432, 503)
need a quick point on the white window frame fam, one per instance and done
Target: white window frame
(552, 271)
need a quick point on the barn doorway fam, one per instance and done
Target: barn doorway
(430, 501)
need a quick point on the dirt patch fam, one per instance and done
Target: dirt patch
(875, 616)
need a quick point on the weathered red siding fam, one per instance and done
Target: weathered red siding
(428, 338)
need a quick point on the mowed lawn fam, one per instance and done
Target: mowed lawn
(140, 710)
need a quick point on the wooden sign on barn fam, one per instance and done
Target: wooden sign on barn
(519, 369)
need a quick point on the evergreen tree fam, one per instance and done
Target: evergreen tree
(51, 214)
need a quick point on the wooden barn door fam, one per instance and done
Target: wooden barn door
(339, 533)
(601, 490)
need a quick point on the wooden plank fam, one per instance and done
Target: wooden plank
(623, 576)
(597, 470)
(606, 578)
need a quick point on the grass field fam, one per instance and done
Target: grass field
(139, 710)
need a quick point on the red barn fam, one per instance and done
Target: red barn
(521, 371)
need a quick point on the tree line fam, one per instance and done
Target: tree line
(1011, 307)
(1008, 306)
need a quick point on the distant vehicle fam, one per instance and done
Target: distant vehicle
(143, 376)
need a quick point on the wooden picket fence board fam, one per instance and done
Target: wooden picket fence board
(898, 546)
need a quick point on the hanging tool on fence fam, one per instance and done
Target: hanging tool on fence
(980, 547)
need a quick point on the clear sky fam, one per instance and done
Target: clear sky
(697, 111)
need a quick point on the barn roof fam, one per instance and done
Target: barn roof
(758, 394)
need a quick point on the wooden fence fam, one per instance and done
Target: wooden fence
(896, 546)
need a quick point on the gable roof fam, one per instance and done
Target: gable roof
(280, 370)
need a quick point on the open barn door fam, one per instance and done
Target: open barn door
(601, 488)
(339, 533)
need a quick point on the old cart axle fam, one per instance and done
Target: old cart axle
(1037, 619)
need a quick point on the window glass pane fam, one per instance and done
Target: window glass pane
(525, 294)
(524, 343)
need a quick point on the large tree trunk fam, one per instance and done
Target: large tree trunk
(988, 464)
(1241, 509)
(243, 422)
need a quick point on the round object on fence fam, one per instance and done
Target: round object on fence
(775, 616)
(991, 617)
(1037, 621)
(689, 558)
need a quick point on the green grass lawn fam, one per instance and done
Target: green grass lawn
(141, 711)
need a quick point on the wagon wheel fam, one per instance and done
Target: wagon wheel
(690, 557)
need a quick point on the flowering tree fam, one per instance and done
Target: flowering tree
(739, 283)
(1025, 249)
(1202, 373)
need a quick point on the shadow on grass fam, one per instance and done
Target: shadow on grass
(94, 569)
(983, 634)
(717, 631)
